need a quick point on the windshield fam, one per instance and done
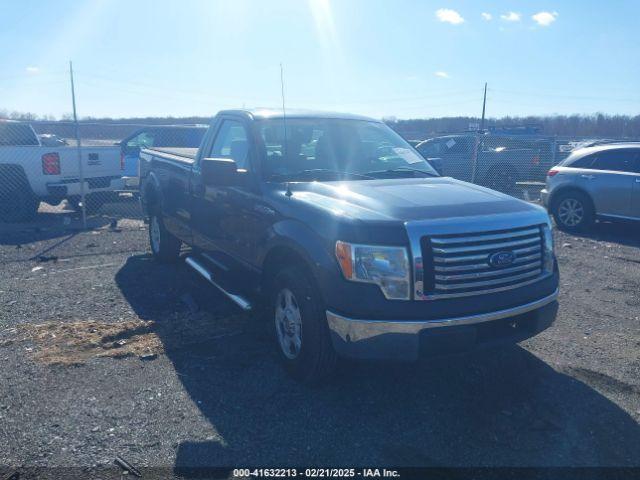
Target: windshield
(315, 147)
(17, 134)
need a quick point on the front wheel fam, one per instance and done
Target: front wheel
(164, 246)
(301, 331)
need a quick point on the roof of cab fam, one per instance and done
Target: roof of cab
(582, 151)
(266, 113)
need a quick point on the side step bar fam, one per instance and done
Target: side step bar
(243, 303)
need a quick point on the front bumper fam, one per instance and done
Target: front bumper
(407, 340)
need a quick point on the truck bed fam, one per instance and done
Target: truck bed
(184, 154)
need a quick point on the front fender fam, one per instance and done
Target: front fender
(315, 250)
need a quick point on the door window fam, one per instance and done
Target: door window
(142, 140)
(584, 162)
(232, 142)
(622, 160)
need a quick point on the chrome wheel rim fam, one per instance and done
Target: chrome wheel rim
(288, 324)
(154, 230)
(571, 212)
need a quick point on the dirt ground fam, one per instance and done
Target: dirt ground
(106, 353)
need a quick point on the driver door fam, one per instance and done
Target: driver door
(223, 220)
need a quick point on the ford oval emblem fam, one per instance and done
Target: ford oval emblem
(503, 258)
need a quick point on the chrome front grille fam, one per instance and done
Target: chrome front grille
(459, 265)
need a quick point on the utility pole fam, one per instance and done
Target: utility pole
(476, 146)
(484, 105)
(79, 149)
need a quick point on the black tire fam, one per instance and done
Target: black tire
(315, 359)
(164, 246)
(582, 206)
(18, 204)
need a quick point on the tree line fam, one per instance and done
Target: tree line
(598, 125)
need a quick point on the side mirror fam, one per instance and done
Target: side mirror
(222, 172)
(436, 163)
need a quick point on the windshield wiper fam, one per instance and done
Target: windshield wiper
(401, 169)
(311, 172)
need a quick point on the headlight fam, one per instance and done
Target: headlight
(549, 257)
(387, 267)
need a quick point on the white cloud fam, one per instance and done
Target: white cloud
(449, 16)
(511, 17)
(32, 70)
(441, 74)
(486, 16)
(544, 19)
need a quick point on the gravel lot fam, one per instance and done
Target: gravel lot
(107, 353)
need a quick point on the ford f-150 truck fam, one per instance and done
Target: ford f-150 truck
(31, 172)
(349, 240)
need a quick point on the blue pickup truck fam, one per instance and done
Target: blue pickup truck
(347, 241)
(182, 136)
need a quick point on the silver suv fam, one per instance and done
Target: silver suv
(595, 182)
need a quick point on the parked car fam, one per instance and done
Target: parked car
(31, 172)
(184, 136)
(501, 162)
(595, 182)
(352, 242)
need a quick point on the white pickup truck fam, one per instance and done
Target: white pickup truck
(31, 173)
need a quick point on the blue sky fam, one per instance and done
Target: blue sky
(402, 58)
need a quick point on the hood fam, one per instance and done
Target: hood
(408, 199)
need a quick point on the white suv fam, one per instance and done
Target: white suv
(595, 182)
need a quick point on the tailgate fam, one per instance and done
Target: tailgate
(96, 162)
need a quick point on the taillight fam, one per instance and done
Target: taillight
(51, 164)
(552, 172)
(121, 160)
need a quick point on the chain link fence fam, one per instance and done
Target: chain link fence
(51, 174)
(54, 174)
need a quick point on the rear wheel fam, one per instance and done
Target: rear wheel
(18, 204)
(301, 331)
(164, 246)
(573, 212)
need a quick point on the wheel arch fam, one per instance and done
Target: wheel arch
(151, 197)
(12, 175)
(558, 193)
(292, 243)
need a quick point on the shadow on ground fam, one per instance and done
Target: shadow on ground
(58, 221)
(623, 233)
(493, 407)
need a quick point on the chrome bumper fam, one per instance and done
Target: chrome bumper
(400, 339)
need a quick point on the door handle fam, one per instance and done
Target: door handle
(588, 177)
(637, 180)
